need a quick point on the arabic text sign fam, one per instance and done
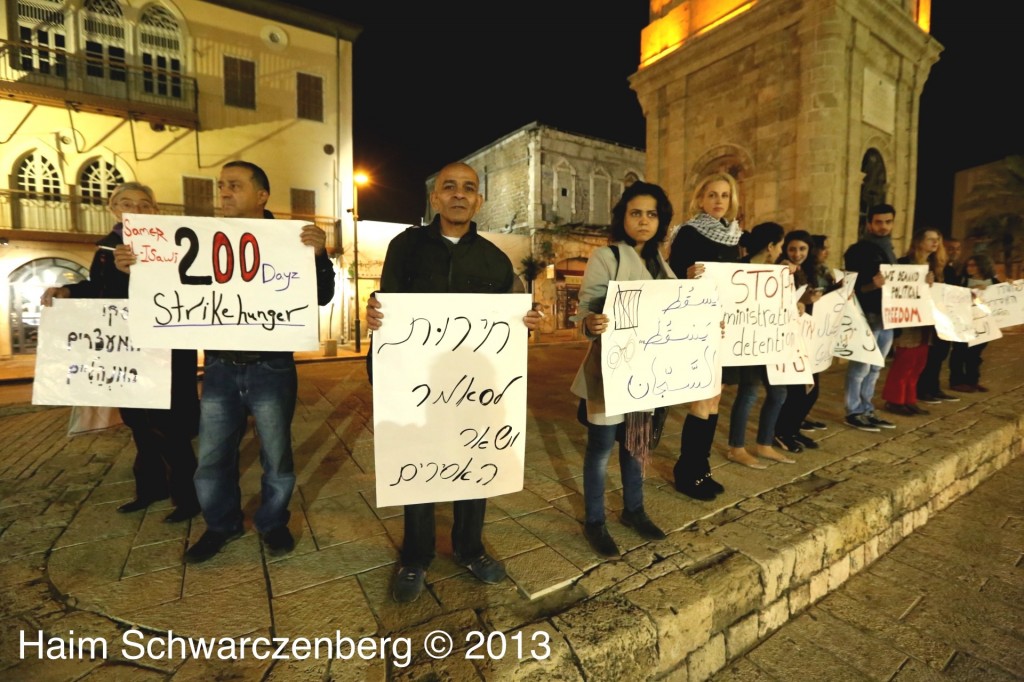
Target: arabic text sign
(449, 397)
(905, 296)
(662, 347)
(954, 319)
(827, 325)
(1006, 301)
(756, 300)
(221, 283)
(85, 357)
(985, 327)
(855, 340)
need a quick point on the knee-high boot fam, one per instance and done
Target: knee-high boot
(692, 471)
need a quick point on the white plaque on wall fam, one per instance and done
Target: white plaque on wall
(879, 104)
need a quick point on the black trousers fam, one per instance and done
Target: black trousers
(965, 364)
(799, 402)
(420, 533)
(928, 382)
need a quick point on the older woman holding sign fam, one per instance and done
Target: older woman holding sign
(164, 459)
(640, 222)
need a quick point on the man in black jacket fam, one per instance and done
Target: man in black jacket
(260, 383)
(446, 256)
(865, 257)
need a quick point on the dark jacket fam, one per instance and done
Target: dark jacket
(421, 261)
(690, 246)
(864, 258)
(105, 280)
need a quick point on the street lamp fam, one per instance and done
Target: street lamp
(359, 178)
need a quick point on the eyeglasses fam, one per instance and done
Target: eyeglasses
(129, 205)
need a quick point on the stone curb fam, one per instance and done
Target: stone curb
(691, 623)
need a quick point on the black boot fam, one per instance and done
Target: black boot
(715, 485)
(600, 539)
(692, 473)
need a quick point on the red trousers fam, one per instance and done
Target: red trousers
(901, 382)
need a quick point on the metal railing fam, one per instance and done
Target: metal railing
(32, 69)
(47, 212)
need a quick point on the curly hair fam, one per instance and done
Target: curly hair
(664, 208)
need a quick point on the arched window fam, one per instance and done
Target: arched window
(874, 185)
(160, 50)
(97, 180)
(103, 30)
(42, 37)
(38, 178)
(601, 198)
(26, 285)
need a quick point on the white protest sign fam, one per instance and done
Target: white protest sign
(856, 341)
(905, 296)
(85, 357)
(826, 323)
(985, 327)
(221, 283)
(1006, 301)
(798, 369)
(449, 397)
(755, 300)
(662, 346)
(951, 308)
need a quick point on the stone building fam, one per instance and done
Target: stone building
(812, 104)
(552, 192)
(98, 92)
(988, 213)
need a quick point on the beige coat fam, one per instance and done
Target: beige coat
(601, 269)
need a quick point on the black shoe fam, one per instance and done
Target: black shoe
(181, 514)
(713, 484)
(788, 443)
(880, 423)
(811, 425)
(599, 539)
(862, 422)
(930, 398)
(642, 524)
(485, 567)
(897, 408)
(209, 544)
(278, 541)
(807, 442)
(945, 397)
(137, 504)
(408, 584)
(914, 409)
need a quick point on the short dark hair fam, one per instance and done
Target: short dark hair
(762, 234)
(879, 209)
(259, 177)
(664, 207)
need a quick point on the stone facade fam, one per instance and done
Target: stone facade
(988, 213)
(557, 189)
(812, 104)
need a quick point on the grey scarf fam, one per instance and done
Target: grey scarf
(716, 230)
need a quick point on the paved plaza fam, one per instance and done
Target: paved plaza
(794, 543)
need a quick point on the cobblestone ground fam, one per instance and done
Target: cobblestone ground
(728, 576)
(947, 603)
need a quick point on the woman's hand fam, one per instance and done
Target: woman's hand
(52, 293)
(374, 316)
(124, 258)
(596, 323)
(694, 271)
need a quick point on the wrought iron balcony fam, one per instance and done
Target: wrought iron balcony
(54, 77)
(40, 213)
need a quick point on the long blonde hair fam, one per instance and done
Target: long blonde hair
(702, 186)
(936, 261)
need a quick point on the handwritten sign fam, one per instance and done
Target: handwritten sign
(1006, 301)
(856, 341)
(951, 308)
(798, 369)
(985, 327)
(662, 345)
(905, 296)
(449, 397)
(755, 301)
(221, 283)
(826, 325)
(86, 357)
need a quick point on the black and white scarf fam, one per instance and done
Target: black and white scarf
(716, 230)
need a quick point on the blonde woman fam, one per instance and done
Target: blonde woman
(164, 460)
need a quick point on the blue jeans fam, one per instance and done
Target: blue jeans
(600, 440)
(861, 377)
(267, 391)
(746, 396)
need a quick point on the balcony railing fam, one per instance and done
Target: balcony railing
(71, 214)
(45, 75)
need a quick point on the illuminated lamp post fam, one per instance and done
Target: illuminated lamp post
(359, 178)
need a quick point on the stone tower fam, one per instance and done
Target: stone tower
(812, 104)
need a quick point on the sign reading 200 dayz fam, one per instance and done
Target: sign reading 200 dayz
(221, 283)
(449, 397)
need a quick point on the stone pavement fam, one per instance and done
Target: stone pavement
(772, 548)
(947, 603)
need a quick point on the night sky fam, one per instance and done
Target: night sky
(432, 87)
